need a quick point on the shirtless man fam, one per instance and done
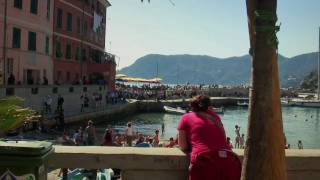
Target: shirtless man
(237, 140)
(129, 134)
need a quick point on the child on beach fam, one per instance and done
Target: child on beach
(229, 143)
(156, 138)
(172, 143)
(242, 141)
(237, 139)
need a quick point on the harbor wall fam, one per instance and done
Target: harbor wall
(34, 95)
(121, 111)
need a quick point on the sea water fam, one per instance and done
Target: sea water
(299, 124)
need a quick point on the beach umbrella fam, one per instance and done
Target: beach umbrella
(120, 75)
(121, 80)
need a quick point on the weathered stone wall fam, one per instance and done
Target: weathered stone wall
(34, 95)
(164, 163)
(229, 92)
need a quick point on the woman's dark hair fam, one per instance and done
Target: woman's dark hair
(200, 103)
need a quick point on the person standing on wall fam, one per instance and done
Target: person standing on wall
(129, 134)
(60, 103)
(90, 134)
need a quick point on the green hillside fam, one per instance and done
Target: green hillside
(197, 69)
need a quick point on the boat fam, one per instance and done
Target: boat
(304, 102)
(243, 104)
(180, 111)
(285, 102)
(218, 110)
(173, 110)
(309, 102)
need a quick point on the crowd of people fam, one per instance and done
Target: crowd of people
(88, 137)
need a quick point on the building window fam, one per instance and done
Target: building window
(69, 22)
(34, 6)
(59, 75)
(48, 9)
(18, 4)
(78, 53)
(85, 27)
(59, 18)
(16, 37)
(78, 25)
(68, 76)
(58, 49)
(32, 41)
(83, 55)
(47, 45)
(68, 51)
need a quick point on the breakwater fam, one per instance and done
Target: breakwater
(123, 110)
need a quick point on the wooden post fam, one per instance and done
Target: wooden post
(264, 157)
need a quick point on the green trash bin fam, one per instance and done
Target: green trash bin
(24, 160)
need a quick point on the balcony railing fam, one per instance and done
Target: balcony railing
(164, 163)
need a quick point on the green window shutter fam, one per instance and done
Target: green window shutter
(34, 6)
(16, 37)
(32, 41)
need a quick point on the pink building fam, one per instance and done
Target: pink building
(28, 46)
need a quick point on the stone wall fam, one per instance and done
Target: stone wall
(34, 95)
(164, 163)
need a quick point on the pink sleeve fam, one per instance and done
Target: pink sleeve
(182, 125)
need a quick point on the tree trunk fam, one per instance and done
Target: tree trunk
(264, 157)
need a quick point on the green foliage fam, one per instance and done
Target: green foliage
(12, 115)
(310, 81)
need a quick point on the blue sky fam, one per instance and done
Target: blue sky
(203, 27)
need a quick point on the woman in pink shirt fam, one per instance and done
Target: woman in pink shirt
(202, 134)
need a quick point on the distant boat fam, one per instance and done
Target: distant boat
(218, 110)
(244, 103)
(304, 102)
(173, 110)
(285, 102)
(180, 111)
(314, 101)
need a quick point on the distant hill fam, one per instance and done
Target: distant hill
(197, 69)
(310, 81)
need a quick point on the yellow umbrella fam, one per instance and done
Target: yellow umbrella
(120, 75)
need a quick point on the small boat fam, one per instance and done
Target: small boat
(285, 102)
(172, 110)
(304, 103)
(244, 103)
(218, 110)
(179, 110)
(310, 101)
